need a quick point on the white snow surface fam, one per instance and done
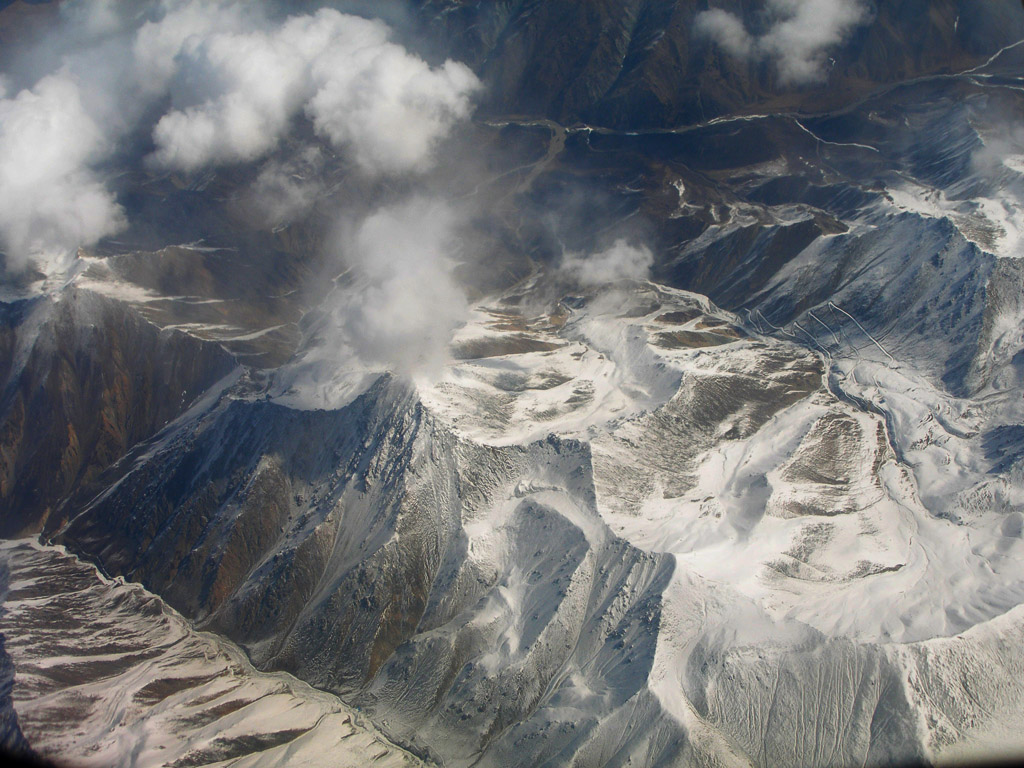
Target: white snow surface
(571, 372)
(805, 509)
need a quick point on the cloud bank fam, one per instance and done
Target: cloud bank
(234, 84)
(362, 92)
(798, 39)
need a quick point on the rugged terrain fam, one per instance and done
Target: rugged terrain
(109, 675)
(721, 463)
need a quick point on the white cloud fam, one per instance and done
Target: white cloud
(182, 27)
(390, 107)
(622, 261)
(285, 190)
(727, 30)
(261, 79)
(405, 302)
(247, 87)
(50, 200)
(365, 94)
(799, 37)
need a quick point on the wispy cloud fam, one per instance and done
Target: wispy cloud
(727, 30)
(799, 37)
(286, 188)
(404, 302)
(621, 261)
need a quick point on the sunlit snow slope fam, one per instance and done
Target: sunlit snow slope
(107, 674)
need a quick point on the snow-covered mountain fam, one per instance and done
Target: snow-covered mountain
(605, 432)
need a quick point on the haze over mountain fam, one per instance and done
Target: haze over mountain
(546, 383)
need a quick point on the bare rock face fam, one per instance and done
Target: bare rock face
(88, 380)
